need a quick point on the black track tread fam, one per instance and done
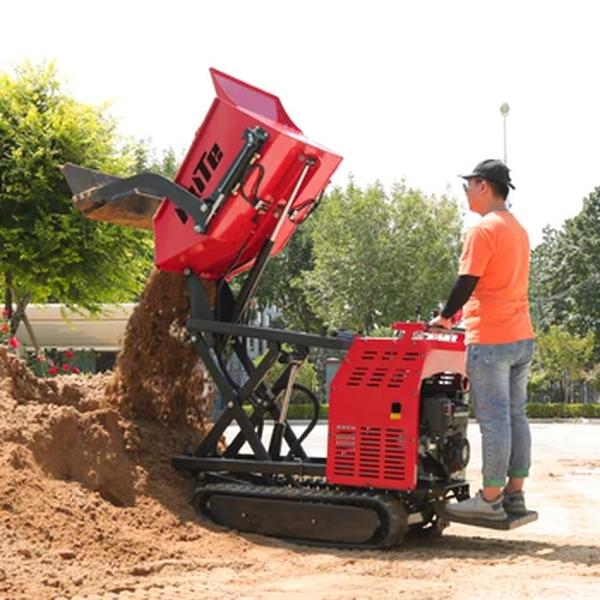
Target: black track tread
(390, 510)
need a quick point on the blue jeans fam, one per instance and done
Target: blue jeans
(498, 376)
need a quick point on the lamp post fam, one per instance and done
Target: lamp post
(504, 108)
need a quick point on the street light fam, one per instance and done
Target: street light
(504, 108)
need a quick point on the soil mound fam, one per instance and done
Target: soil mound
(84, 460)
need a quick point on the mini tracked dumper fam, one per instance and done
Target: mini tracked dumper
(397, 445)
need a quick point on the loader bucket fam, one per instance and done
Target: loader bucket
(248, 180)
(132, 207)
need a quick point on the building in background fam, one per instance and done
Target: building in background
(96, 339)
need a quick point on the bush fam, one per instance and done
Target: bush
(535, 410)
(300, 411)
(306, 376)
(305, 411)
(539, 410)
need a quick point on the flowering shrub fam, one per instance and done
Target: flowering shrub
(5, 336)
(46, 363)
(49, 363)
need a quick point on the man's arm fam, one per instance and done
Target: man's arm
(461, 291)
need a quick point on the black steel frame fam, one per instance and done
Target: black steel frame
(212, 331)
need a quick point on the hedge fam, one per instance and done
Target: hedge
(536, 410)
(301, 411)
(559, 410)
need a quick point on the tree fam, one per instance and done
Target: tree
(282, 284)
(565, 279)
(145, 158)
(544, 259)
(378, 256)
(48, 250)
(562, 358)
(306, 375)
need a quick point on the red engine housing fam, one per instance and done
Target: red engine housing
(374, 406)
(238, 230)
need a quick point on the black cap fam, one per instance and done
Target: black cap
(492, 170)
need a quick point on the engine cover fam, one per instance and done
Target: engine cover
(375, 405)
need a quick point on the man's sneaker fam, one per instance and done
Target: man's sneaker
(478, 508)
(514, 504)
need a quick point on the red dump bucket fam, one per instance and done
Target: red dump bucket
(246, 218)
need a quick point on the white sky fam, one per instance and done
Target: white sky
(400, 89)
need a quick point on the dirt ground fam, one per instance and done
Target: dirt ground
(90, 508)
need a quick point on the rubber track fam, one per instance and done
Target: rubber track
(391, 512)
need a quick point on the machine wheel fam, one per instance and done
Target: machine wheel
(432, 530)
(432, 527)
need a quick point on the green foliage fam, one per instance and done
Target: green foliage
(306, 375)
(6, 337)
(50, 250)
(562, 359)
(565, 274)
(282, 283)
(145, 158)
(563, 355)
(300, 411)
(535, 410)
(592, 377)
(559, 410)
(50, 363)
(564, 291)
(377, 256)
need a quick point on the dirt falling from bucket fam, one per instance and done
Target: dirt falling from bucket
(158, 375)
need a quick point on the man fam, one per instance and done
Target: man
(492, 286)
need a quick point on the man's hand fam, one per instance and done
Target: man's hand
(440, 322)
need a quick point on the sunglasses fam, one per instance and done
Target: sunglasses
(466, 185)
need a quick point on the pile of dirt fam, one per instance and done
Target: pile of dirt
(91, 508)
(158, 375)
(85, 475)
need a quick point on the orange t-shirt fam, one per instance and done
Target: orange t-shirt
(497, 251)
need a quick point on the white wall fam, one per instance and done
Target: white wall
(54, 326)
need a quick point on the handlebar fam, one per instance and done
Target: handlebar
(424, 331)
